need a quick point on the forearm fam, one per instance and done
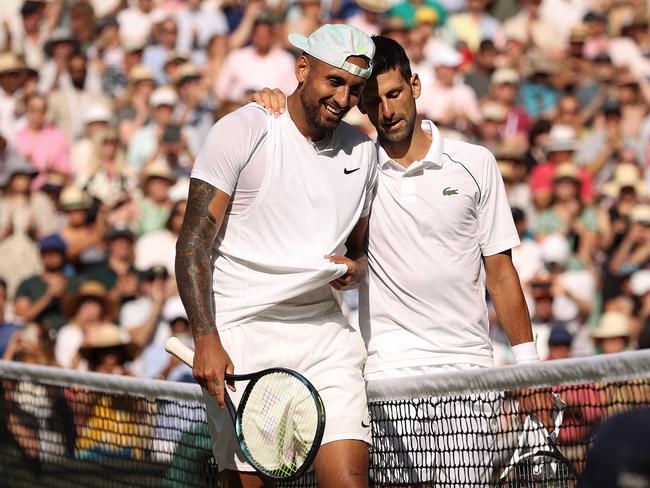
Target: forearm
(33, 310)
(142, 334)
(510, 306)
(203, 216)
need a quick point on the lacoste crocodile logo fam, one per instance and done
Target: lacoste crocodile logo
(449, 191)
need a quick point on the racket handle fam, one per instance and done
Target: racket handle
(175, 347)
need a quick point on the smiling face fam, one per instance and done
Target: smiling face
(328, 93)
(389, 102)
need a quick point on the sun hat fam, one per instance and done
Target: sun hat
(612, 324)
(73, 198)
(625, 176)
(376, 6)
(89, 289)
(640, 214)
(97, 112)
(159, 168)
(109, 336)
(17, 165)
(163, 95)
(561, 138)
(566, 170)
(10, 63)
(503, 76)
(335, 43)
(141, 73)
(447, 57)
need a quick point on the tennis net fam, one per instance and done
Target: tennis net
(60, 428)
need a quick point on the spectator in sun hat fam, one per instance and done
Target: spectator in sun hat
(194, 107)
(83, 235)
(25, 215)
(12, 77)
(39, 297)
(155, 206)
(612, 333)
(96, 117)
(134, 110)
(60, 46)
(106, 176)
(108, 350)
(559, 148)
(87, 309)
(261, 64)
(449, 101)
(505, 82)
(146, 140)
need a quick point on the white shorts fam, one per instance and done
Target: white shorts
(438, 441)
(327, 351)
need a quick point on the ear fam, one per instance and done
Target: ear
(416, 85)
(302, 69)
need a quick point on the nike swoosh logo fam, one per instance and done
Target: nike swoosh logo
(364, 425)
(348, 171)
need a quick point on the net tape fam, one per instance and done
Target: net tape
(60, 428)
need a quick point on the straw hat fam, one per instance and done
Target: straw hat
(394, 23)
(60, 35)
(510, 150)
(612, 324)
(9, 63)
(73, 198)
(377, 6)
(158, 169)
(503, 76)
(188, 71)
(109, 336)
(566, 170)
(140, 73)
(625, 176)
(93, 289)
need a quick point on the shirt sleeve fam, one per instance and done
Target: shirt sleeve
(371, 183)
(229, 146)
(496, 228)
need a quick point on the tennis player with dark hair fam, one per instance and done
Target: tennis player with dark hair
(440, 231)
(279, 208)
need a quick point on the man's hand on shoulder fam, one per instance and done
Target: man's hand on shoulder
(211, 363)
(355, 274)
(273, 100)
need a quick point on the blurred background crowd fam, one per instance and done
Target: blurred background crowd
(104, 104)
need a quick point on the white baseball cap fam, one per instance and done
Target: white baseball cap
(163, 95)
(335, 43)
(97, 112)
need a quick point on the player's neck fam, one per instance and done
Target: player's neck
(413, 149)
(299, 118)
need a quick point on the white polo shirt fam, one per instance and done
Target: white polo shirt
(431, 223)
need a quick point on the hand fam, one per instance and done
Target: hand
(273, 100)
(159, 291)
(538, 402)
(211, 363)
(56, 285)
(352, 278)
(127, 285)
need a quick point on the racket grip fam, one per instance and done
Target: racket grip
(175, 347)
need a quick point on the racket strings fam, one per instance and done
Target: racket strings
(540, 471)
(278, 423)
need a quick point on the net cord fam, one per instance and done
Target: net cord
(606, 367)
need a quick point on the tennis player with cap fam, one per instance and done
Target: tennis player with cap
(440, 231)
(279, 208)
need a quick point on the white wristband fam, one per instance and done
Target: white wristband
(525, 353)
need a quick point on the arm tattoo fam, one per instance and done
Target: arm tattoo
(193, 258)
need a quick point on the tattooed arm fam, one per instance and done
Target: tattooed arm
(206, 207)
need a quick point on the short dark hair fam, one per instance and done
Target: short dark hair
(3, 284)
(390, 55)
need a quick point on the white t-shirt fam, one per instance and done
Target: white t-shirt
(431, 224)
(293, 202)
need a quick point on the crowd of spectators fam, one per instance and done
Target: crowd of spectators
(104, 105)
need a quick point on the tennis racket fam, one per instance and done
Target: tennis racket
(280, 419)
(539, 467)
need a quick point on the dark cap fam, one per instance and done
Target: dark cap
(119, 231)
(602, 58)
(52, 242)
(560, 336)
(158, 271)
(592, 16)
(611, 107)
(620, 456)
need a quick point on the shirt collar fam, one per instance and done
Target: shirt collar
(433, 157)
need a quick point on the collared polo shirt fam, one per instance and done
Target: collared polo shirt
(431, 224)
